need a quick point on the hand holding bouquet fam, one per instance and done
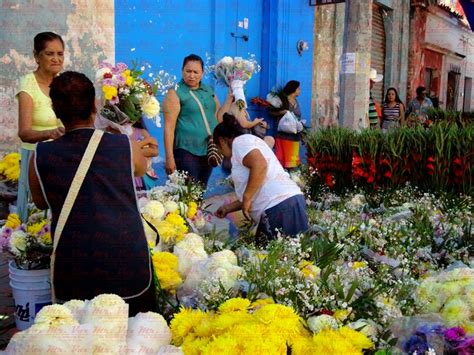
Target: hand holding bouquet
(127, 96)
(234, 73)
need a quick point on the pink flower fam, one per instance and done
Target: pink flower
(120, 79)
(105, 65)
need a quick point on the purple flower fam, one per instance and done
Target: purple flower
(4, 243)
(417, 342)
(120, 79)
(108, 82)
(466, 347)
(455, 334)
(6, 232)
(105, 65)
(121, 67)
(46, 228)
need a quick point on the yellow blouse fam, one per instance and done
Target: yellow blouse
(43, 116)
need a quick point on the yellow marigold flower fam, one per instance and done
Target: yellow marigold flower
(13, 221)
(358, 264)
(223, 322)
(183, 323)
(276, 313)
(109, 92)
(234, 304)
(194, 346)
(357, 339)
(166, 231)
(224, 344)
(302, 345)
(175, 219)
(35, 228)
(165, 260)
(192, 209)
(129, 81)
(168, 279)
(261, 302)
(12, 173)
(46, 238)
(205, 329)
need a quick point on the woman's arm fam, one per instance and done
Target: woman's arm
(35, 187)
(171, 109)
(139, 160)
(249, 124)
(257, 165)
(225, 107)
(228, 208)
(25, 121)
(402, 115)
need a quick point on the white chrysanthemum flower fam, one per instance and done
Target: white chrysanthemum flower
(189, 251)
(225, 255)
(153, 211)
(99, 75)
(55, 315)
(18, 242)
(77, 308)
(150, 106)
(169, 350)
(147, 331)
(323, 321)
(171, 206)
(226, 61)
(367, 327)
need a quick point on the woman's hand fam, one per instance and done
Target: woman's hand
(246, 205)
(149, 147)
(170, 165)
(221, 212)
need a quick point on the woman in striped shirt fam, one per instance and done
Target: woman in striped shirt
(393, 111)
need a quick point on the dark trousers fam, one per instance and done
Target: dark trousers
(196, 166)
(288, 217)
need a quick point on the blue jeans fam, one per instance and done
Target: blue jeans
(196, 166)
(288, 217)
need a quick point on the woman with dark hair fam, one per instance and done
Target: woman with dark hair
(393, 111)
(185, 110)
(265, 192)
(287, 145)
(37, 121)
(100, 245)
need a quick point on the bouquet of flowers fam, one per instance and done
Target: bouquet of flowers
(234, 72)
(127, 96)
(30, 244)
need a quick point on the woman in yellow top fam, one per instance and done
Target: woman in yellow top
(37, 121)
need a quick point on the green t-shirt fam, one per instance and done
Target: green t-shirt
(190, 133)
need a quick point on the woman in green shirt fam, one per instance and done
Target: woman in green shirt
(185, 134)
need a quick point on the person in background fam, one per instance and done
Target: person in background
(102, 248)
(420, 105)
(149, 179)
(393, 111)
(185, 135)
(37, 121)
(265, 192)
(287, 145)
(374, 113)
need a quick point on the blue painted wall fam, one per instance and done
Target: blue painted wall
(162, 33)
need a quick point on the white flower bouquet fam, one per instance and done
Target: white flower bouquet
(234, 73)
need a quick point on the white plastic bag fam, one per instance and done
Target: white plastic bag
(289, 123)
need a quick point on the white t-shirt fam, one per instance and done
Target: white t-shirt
(277, 185)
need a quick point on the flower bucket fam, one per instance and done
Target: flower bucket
(31, 292)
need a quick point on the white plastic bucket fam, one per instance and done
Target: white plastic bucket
(31, 292)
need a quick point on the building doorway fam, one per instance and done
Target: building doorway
(452, 90)
(466, 107)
